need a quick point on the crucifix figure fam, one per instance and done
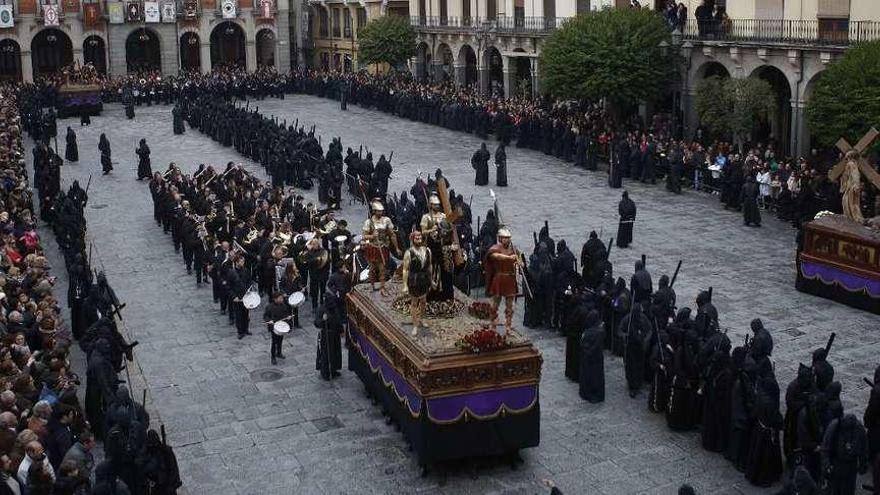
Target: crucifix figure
(849, 173)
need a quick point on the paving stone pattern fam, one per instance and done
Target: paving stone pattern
(235, 432)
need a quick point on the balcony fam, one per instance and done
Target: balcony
(538, 26)
(836, 33)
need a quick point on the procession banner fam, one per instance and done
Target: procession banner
(190, 8)
(228, 9)
(91, 14)
(6, 19)
(151, 12)
(50, 15)
(116, 13)
(266, 8)
(168, 13)
(133, 12)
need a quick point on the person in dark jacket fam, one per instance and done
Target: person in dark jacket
(591, 375)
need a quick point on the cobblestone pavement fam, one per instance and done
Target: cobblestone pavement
(235, 433)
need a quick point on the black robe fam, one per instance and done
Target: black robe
(751, 212)
(764, 461)
(844, 454)
(480, 164)
(592, 363)
(144, 169)
(627, 210)
(71, 151)
(574, 327)
(500, 166)
(634, 329)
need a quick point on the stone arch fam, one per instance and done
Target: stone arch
(265, 45)
(778, 129)
(143, 50)
(443, 62)
(423, 61)
(495, 65)
(51, 49)
(95, 52)
(468, 58)
(810, 85)
(10, 60)
(191, 51)
(711, 68)
(228, 45)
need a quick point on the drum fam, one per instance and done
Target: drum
(296, 299)
(364, 275)
(281, 328)
(251, 300)
(340, 239)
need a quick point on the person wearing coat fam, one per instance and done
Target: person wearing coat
(480, 164)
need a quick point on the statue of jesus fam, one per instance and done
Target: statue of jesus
(851, 188)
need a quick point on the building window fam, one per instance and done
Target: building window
(346, 27)
(322, 23)
(336, 31)
(834, 30)
(361, 17)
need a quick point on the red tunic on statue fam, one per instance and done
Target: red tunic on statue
(500, 274)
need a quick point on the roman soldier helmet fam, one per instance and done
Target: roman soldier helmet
(435, 200)
(377, 206)
(503, 232)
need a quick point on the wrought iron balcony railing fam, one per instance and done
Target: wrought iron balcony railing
(831, 32)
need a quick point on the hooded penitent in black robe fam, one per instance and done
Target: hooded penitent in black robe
(764, 464)
(143, 153)
(71, 150)
(683, 387)
(751, 212)
(742, 398)
(717, 383)
(797, 396)
(660, 361)
(592, 360)
(480, 164)
(872, 424)
(634, 329)
(575, 325)
(844, 454)
(627, 210)
(500, 166)
(100, 386)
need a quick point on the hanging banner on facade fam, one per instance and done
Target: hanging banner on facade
(6, 19)
(91, 14)
(151, 12)
(266, 7)
(190, 8)
(168, 13)
(228, 9)
(116, 13)
(50, 15)
(133, 12)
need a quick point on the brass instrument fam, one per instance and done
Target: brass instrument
(251, 236)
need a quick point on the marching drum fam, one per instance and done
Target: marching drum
(296, 299)
(251, 299)
(281, 328)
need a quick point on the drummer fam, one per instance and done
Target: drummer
(291, 282)
(277, 311)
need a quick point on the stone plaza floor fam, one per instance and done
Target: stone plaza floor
(234, 432)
